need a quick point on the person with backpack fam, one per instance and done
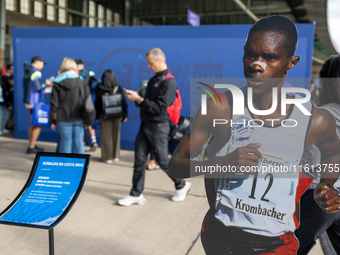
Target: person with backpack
(174, 112)
(111, 109)
(90, 78)
(154, 128)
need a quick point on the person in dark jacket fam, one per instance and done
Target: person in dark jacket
(7, 82)
(6, 98)
(66, 106)
(110, 126)
(154, 129)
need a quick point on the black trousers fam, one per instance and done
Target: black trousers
(313, 222)
(217, 239)
(152, 136)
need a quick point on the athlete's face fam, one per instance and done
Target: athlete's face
(266, 57)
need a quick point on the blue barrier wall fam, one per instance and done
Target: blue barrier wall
(191, 52)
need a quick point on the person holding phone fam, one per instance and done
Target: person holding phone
(154, 129)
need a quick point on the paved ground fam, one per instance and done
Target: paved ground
(96, 224)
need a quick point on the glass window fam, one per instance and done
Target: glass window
(25, 6)
(50, 10)
(108, 17)
(11, 5)
(333, 19)
(62, 12)
(38, 9)
(92, 13)
(100, 15)
(70, 19)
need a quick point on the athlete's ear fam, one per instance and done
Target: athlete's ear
(294, 61)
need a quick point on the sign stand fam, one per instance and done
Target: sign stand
(52, 188)
(51, 241)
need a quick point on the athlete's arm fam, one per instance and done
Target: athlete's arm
(182, 165)
(323, 134)
(200, 130)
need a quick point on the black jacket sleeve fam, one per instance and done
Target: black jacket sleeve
(37, 85)
(54, 103)
(98, 103)
(124, 103)
(165, 98)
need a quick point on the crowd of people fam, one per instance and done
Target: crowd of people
(73, 85)
(229, 227)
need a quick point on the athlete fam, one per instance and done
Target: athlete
(256, 212)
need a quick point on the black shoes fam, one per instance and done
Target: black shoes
(34, 150)
(94, 146)
(38, 148)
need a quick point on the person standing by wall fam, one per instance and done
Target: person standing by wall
(110, 123)
(66, 106)
(32, 88)
(6, 98)
(84, 74)
(7, 82)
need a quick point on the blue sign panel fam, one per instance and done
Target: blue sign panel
(191, 52)
(54, 183)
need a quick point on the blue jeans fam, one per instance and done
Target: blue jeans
(71, 135)
(4, 116)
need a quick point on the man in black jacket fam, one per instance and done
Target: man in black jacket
(154, 129)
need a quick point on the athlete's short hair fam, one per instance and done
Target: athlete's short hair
(330, 81)
(279, 24)
(156, 54)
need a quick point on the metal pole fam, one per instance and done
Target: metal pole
(2, 32)
(51, 241)
(127, 12)
(84, 20)
(246, 10)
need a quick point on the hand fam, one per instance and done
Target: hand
(53, 126)
(48, 82)
(10, 108)
(243, 157)
(327, 198)
(124, 119)
(132, 95)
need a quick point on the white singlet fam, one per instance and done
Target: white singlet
(264, 204)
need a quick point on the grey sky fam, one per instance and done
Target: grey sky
(333, 14)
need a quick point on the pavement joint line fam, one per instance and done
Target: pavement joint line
(151, 189)
(113, 183)
(193, 244)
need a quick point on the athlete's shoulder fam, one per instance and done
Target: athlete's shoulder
(219, 105)
(323, 126)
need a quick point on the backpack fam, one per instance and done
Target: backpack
(174, 110)
(88, 111)
(112, 104)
